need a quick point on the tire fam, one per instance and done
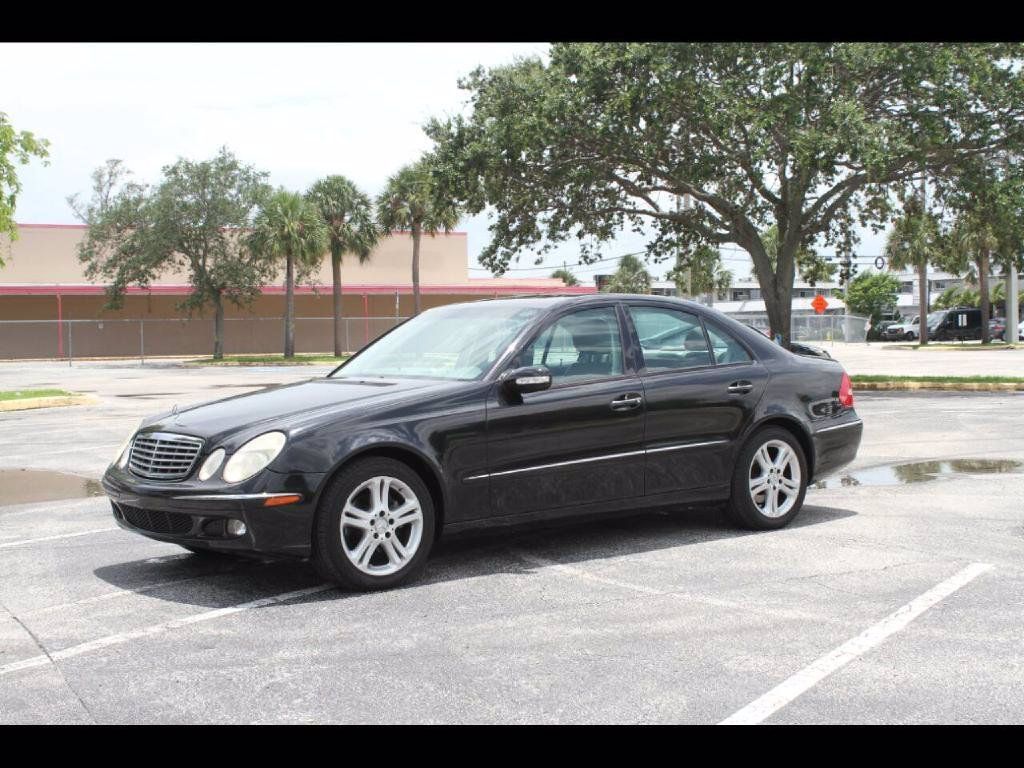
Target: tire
(753, 514)
(359, 552)
(909, 336)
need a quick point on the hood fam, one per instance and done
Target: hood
(290, 403)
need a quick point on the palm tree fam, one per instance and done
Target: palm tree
(630, 277)
(348, 214)
(700, 272)
(970, 246)
(567, 277)
(915, 241)
(411, 201)
(290, 229)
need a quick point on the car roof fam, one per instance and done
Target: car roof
(558, 300)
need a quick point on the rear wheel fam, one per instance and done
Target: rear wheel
(374, 527)
(769, 481)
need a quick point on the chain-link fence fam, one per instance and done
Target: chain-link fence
(71, 339)
(77, 339)
(846, 328)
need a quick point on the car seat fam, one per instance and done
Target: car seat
(596, 341)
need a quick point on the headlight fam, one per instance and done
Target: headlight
(121, 457)
(253, 456)
(212, 464)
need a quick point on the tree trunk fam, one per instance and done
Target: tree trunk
(218, 327)
(922, 300)
(776, 287)
(416, 234)
(289, 308)
(336, 276)
(986, 308)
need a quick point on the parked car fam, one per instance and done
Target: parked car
(487, 413)
(959, 324)
(903, 331)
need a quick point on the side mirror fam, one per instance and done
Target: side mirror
(532, 378)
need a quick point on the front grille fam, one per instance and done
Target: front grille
(164, 456)
(154, 520)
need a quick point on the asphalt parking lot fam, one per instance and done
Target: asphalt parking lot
(895, 597)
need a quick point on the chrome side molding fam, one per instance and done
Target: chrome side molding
(606, 457)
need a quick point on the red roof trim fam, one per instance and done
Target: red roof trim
(350, 289)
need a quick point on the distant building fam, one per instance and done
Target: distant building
(44, 281)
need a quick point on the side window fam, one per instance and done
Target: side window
(579, 346)
(670, 339)
(724, 347)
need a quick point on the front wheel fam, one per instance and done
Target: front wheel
(374, 526)
(769, 481)
(909, 336)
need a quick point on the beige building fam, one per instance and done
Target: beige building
(48, 308)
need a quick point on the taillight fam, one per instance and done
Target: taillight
(846, 391)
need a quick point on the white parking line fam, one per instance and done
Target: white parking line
(22, 542)
(782, 694)
(135, 634)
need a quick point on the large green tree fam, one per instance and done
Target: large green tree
(805, 136)
(412, 201)
(16, 147)
(811, 266)
(290, 232)
(872, 294)
(348, 214)
(630, 277)
(914, 242)
(193, 220)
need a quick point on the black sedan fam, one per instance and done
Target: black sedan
(492, 412)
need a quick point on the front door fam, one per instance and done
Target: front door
(701, 387)
(579, 442)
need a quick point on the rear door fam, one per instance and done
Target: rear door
(579, 442)
(701, 386)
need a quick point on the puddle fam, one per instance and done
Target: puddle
(920, 472)
(24, 486)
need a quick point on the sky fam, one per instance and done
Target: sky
(300, 112)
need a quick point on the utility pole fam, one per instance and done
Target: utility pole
(923, 288)
(1012, 308)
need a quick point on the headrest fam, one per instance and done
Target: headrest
(694, 341)
(591, 334)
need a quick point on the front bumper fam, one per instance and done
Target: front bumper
(188, 513)
(836, 442)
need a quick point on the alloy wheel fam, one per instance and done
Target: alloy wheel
(381, 525)
(774, 478)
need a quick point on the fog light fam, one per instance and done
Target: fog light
(236, 528)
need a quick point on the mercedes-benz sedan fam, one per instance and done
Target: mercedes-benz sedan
(492, 412)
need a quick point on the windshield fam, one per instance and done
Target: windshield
(460, 341)
(935, 317)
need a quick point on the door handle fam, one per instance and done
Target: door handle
(740, 387)
(627, 402)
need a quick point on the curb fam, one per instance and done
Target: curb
(47, 402)
(913, 386)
